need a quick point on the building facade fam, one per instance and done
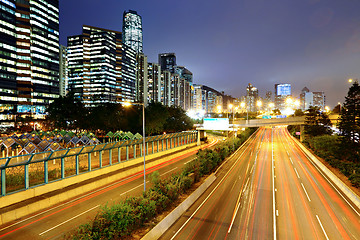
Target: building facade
(63, 71)
(132, 31)
(101, 68)
(312, 99)
(282, 92)
(252, 96)
(29, 58)
(167, 61)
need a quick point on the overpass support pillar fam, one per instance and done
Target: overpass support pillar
(200, 135)
(302, 132)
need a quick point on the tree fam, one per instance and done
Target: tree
(177, 120)
(67, 112)
(156, 115)
(349, 124)
(317, 123)
(298, 113)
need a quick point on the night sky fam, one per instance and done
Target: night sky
(230, 43)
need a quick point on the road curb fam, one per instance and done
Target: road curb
(169, 220)
(354, 198)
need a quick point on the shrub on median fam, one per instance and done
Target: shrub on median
(120, 220)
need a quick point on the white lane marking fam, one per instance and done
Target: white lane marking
(236, 210)
(69, 220)
(291, 160)
(168, 171)
(273, 180)
(189, 161)
(252, 169)
(192, 215)
(297, 173)
(277, 213)
(305, 192)
(336, 189)
(74, 200)
(329, 181)
(322, 227)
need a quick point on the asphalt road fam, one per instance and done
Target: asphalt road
(57, 221)
(269, 190)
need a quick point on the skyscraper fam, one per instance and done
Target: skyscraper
(63, 70)
(282, 91)
(252, 95)
(29, 53)
(132, 30)
(167, 61)
(101, 68)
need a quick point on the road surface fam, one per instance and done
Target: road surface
(269, 190)
(54, 222)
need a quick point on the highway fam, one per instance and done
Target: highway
(55, 222)
(269, 190)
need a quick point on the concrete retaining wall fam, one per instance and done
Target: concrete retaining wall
(169, 220)
(340, 184)
(43, 203)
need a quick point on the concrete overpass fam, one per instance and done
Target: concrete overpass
(242, 123)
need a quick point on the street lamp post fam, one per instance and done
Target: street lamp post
(143, 126)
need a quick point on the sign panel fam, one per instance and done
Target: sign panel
(298, 133)
(216, 123)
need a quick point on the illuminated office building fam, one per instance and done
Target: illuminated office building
(132, 31)
(312, 99)
(29, 58)
(101, 68)
(252, 96)
(282, 91)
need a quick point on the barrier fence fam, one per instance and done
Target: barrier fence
(22, 172)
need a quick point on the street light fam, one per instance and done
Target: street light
(242, 105)
(127, 104)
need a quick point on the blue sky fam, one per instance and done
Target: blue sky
(230, 43)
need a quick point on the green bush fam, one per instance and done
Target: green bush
(120, 220)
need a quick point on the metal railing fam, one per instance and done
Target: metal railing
(22, 172)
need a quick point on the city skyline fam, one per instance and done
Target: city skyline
(314, 43)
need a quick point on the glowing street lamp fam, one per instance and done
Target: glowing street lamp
(218, 107)
(128, 104)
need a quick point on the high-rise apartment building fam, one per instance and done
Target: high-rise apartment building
(312, 99)
(29, 53)
(282, 91)
(142, 84)
(206, 99)
(167, 61)
(154, 83)
(63, 70)
(132, 31)
(101, 68)
(252, 95)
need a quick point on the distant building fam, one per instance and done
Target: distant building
(142, 83)
(132, 33)
(282, 91)
(29, 52)
(252, 96)
(312, 99)
(63, 70)
(167, 61)
(154, 83)
(206, 99)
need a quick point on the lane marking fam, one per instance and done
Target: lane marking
(168, 171)
(325, 177)
(189, 161)
(215, 188)
(69, 220)
(291, 160)
(297, 173)
(322, 227)
(305, 192)
(277, 213)
(273, 180)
